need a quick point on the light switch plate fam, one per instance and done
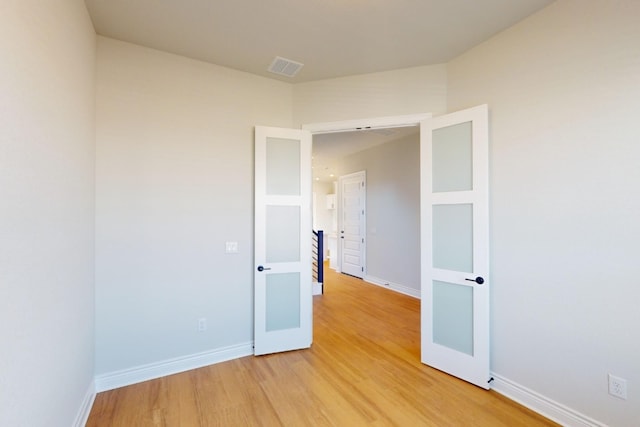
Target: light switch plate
(231, 247)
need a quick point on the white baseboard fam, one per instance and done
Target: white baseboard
(317, 288)
(393, 286)
(163, 368)
(541, 404)
(85, 409)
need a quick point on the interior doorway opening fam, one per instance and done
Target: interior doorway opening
(391, 234)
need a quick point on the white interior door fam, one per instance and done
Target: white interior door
(282, 240)
(455, 244)
(352, 223)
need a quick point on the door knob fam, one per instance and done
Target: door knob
(261, 268)
(479, 280)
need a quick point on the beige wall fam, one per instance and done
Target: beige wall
(564, 93)
(174, 183)
(391, 93)
(393, 211)
(46, 212)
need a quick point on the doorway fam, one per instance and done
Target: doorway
(391, 227)
(454, 243)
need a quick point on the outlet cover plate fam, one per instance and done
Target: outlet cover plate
(617, 387)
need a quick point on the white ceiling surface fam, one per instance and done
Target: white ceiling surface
(332, 38)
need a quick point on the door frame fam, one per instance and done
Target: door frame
(385, 122)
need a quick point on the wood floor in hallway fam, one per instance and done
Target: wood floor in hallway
(363, 369)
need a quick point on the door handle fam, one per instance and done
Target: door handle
(479, 280)
(261, 268)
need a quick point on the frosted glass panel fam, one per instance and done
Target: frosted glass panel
(283, 301)
(283, 167)
(283, 234)
(452, 158)
(453, 316)
(453, 237)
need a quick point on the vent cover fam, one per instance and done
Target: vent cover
(284, 67)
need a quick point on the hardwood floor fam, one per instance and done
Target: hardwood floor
(363, 369)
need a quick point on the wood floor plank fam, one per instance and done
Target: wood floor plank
(363, 369)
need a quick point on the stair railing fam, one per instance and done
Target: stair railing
(317, 257)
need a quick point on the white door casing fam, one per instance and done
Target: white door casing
(455, 280)
(282, 240)
(352, 233)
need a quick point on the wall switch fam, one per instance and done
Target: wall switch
(231, 247)
(617, 387)
(202, 324)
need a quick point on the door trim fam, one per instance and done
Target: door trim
(383, 122)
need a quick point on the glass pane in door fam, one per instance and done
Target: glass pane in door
(283, 234)
(283, 167)
(452, 158)
(453, 316)
(453, 237)
(283, 301)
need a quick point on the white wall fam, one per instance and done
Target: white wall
(563, 88)
(390, 93)
(323, 218)
(46, 212)
(393, 211)
(174, 183)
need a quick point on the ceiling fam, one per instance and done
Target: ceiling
(332, 38)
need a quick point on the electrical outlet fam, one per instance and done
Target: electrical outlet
(202, 324)
(617, 387)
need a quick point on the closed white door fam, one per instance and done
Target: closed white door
(352, 223)
(282, 239)
(455, 244)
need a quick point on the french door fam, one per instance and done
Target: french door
(282, 240)
(455, 244)
(455, 280)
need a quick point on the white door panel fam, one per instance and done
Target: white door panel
(352, 223)
(282, 275)
(455, 244)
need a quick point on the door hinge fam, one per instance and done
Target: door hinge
(362, 268)
(363, 240)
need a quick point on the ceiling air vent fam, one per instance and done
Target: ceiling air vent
(285, 67)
